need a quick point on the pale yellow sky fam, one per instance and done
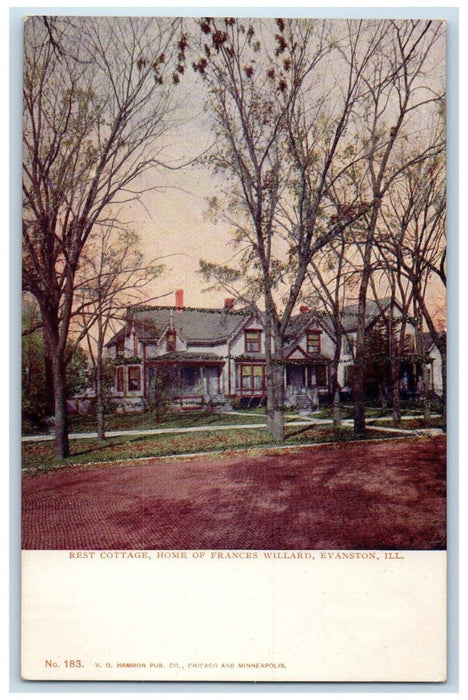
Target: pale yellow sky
(171, 219)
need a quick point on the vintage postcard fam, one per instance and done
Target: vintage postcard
(234, 349)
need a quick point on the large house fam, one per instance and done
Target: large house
(211, 356)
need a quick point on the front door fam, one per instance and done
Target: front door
(295, 381)
(211, 380)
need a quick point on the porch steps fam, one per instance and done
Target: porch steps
(303, 403)
(221, 404)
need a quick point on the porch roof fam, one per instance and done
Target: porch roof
(189, 358)
(317, 359)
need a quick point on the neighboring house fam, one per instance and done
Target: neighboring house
(435, 359)
(213, 356)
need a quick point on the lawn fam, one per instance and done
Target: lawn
(411, 423)
(40, 455)
(147, 421)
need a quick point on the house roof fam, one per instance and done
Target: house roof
(428, 342)
(349, 314)
(196, 326)
(299, 323)
(210, 327)
(200, 357)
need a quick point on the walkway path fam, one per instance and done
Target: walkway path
(161, 431)
(302, 421)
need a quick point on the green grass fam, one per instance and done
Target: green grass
(40, 455)
(147, 421)
(412, 423)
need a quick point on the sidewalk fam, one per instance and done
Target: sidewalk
(163, 431)
(303, 421)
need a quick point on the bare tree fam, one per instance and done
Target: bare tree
(96, 100)
(413, 247)
(112, 275)
(281, 109)
(331, 278)
(399, 101)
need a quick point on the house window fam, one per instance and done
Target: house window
(347, 346)
(321, 375)
(252, 341)
(119, 379)
(313, 342)
(134, 383)
(348, 376)
(252, 377)
(409, 343)
(135, 344)
(190, 380)
(317, 376)
(170, 341)
(120, 347)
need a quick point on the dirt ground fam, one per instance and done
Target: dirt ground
(375, 495)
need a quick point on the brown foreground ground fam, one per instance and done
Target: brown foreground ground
(375, 495)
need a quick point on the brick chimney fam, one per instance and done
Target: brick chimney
(228, 304)
(179, 299)
(304, 309)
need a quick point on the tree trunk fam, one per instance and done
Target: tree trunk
(336, 409)
(101, 433)
(394, 352)
(358, 394)
(277, 422)
(426, 399)
(49, 377)
(443, 356)
(62, 446)
(334, 386)
(423, 368)
(396, 406)
(274, 381)
(359, 368)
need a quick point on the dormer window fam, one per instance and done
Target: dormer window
(253, 341)
(170, 341)
(313, 342)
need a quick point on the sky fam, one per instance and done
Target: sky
(172, 218)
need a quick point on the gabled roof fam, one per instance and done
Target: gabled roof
(196, 326)
(298, 325)
(349, 314)
(428, 342)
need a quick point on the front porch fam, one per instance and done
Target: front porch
(305, 382)
(190, 382)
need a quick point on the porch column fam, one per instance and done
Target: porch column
(179, 382)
